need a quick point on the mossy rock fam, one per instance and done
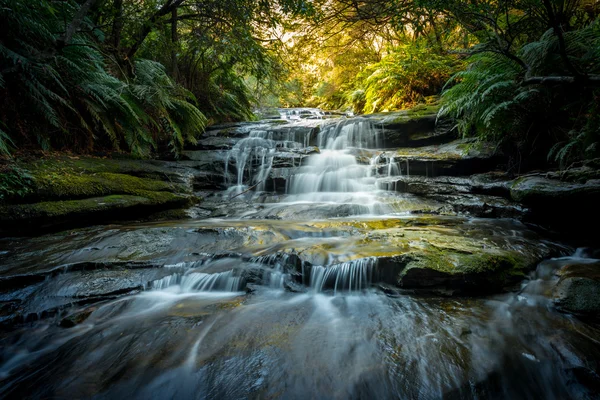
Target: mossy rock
(432, 252)
(55, 214)
(65, 165)
(482, 271)
(56, 186)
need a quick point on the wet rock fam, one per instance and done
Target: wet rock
(76, 318)
(71, 191)
(482, 206)
(493, 183)
(288, 160)
(558, 204)
(457, 195)
(425, 186)
(435, 254)
(214, 143)
(578, 289)
(478, 272)
(457, 158)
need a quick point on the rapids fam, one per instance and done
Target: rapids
(290, 292)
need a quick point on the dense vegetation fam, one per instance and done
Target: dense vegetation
(131, 75)
(145, 76)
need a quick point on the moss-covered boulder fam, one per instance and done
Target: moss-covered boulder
(16, 218)
(445, 254)
(62, 191)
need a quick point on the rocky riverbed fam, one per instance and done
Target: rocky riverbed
(335, 257)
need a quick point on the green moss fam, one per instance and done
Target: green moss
(63, 178)
(423, 110)
(69, 186)
(47, 211)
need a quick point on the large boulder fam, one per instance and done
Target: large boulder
(415, 127)
(70, 191)
(559, 204)
(441, 254)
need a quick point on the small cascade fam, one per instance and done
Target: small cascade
(301, 113)
(201, 282)
(352, 276)
(334, 170)
(276, 275)
(354, 132)
(393, 168)
(253, 158)
(330, 171)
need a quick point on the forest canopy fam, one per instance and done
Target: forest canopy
(148, 76)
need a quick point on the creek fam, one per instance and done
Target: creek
(323, 281)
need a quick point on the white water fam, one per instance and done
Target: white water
(200, 282)
(352, 276)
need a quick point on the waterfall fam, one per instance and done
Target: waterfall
(350, 276)
(334, 170)
(201, 282)
(354, 132)
(254, 151)
(332, 174)
(277, 275)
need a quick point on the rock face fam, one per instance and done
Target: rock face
(416, 127)
(578, 289)
(444, 255)
(560, 204)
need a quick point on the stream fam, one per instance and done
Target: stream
(291, 290)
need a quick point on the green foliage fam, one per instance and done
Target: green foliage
(5, 143)
(486, 98)
(405, 77)
(65, 97)
(493, 99)
(358, 99)
(14, 182)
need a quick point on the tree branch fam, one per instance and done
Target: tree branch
(76, 23)
(167, 8)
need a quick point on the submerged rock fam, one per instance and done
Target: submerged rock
(578, 289)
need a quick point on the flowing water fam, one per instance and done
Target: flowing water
(286, 298)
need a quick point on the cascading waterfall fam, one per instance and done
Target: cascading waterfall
(227, 281)
(253, 155)
(331, 174)
(355, 132)
(276, 276)
(350, 276)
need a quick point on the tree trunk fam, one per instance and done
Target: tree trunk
(75, 23)
(561, 39)
(149, 25)
(117, 27)
(174, 44)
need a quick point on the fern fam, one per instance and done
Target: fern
(71, 91)
(490, 101)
